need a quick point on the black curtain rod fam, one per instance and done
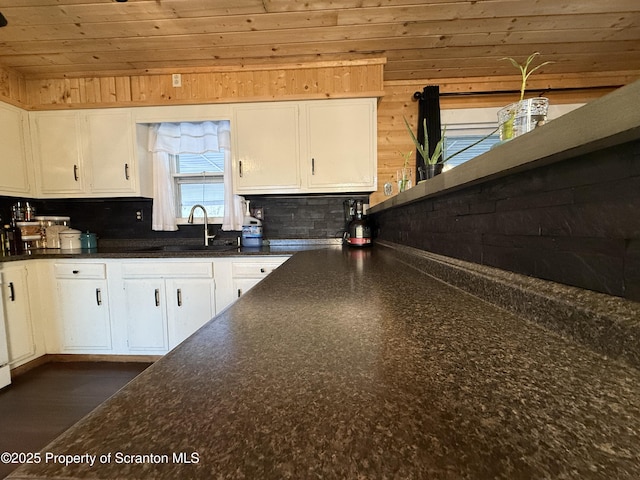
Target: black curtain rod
(416, 95)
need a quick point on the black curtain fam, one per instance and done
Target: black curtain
(429, 109)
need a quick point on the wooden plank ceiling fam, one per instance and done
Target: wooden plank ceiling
(420, 38)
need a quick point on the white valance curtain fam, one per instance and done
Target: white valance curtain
(166, 139)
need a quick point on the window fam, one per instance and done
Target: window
(459, 137)
(199, 179)
(189, 161)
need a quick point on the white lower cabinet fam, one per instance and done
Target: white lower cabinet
(135, 307)
(146, 315)
(237, 275)
(193, 305)
(17, 314)
(83, 307)
(166, 302)
(247, 273)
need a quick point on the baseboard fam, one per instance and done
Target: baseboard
(25, 367)
(59, 357)
(81, 357)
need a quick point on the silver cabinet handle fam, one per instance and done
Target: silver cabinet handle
(179, 295)
(157, 293)
(12, 292)
(240, 167)
(75, 172)
(98, 296)
(126, 171)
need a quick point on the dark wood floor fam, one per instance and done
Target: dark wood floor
(41, 404)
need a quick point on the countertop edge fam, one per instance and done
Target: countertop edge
(606, 324)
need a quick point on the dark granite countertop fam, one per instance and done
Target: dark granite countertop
(185, 249)
(348, 364)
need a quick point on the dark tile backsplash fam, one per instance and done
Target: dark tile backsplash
(308, 216)
(575, 222)
(299, 217)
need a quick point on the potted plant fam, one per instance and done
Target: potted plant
(524, 115)
(432, 161)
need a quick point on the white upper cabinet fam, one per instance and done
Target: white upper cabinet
(14, 179)
(109, 152)
(266, 147)
(88, 153)
(57, 149)
(341, 145)
(316, 146)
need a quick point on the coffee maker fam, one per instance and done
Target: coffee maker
(357, 231)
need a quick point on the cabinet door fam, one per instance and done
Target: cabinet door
(243, 285)
(56, 144)
(190, 304)
(247, 273)
(109, 152)
(84, 313)
(146, 315)
(15, 292)
(341, 152)
(13, 161)
(266, 149)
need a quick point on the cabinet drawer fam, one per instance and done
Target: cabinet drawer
(167, 270)
(253, 269)
(80, 270)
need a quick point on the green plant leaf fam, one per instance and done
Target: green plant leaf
(524, 70)
(420, 148)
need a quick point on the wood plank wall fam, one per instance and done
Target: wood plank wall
(13, 88)
(356, 79)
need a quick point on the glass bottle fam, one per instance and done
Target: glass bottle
(3, 241)
(14, 238)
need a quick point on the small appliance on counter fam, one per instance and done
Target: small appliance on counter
(50, 227)
(70, 240)
(251, 229)
(30, 233)
(89, 241)
(358, 232)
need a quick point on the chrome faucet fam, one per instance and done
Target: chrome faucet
(206, 223)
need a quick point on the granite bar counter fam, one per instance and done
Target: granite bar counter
(348, 364)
